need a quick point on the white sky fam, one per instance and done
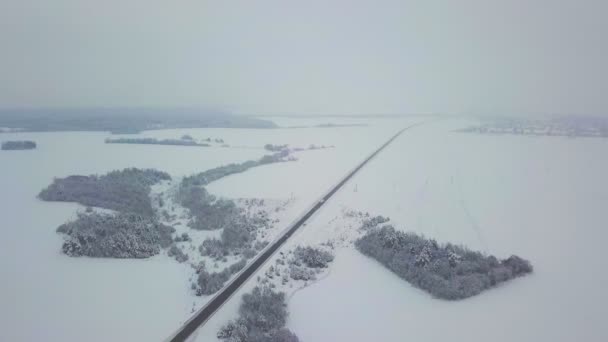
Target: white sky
(308, 57)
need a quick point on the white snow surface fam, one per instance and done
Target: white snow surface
(541, 198)
(47, 296)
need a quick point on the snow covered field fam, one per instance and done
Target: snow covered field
(542, 198)
(49, 296)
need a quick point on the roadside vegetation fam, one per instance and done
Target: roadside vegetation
(208, 283)
(262, 318)
(445, 271)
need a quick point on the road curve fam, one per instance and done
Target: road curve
(201, 316)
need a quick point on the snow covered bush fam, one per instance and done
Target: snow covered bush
(301, 273)
(312, 257)
(213, 248)
(373, 222)
(124, 235)
(177, 253)
(183, 238)
(445, 271)
(209, 283)
(262, 318)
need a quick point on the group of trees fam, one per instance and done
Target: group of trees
(124, 235)
(274, 148)
(306, 262)
(19, 145)
(373, 222)
(133, 232)
(124, 191)
(154, 141)
(311, 257)
(237, 238)
(262, 318)
(206, 211)
(206, 177)
(445, 271)
(177, 253)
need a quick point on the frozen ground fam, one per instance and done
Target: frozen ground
(542, 198)
(48, 296)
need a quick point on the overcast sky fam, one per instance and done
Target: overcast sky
(316, 57)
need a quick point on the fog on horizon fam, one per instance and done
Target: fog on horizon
(315, 57)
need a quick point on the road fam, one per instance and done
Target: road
(201, 316)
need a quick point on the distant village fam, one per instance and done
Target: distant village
(565, 126)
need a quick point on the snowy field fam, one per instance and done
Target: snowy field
(542, 198)
(46, 295)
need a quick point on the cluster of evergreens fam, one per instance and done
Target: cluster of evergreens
(124, 235)
(125, 191)
(445, 271)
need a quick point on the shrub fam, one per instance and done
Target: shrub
(370, 223)
(177, 253)
(312, 257)
(183, 238)
(301, 273)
